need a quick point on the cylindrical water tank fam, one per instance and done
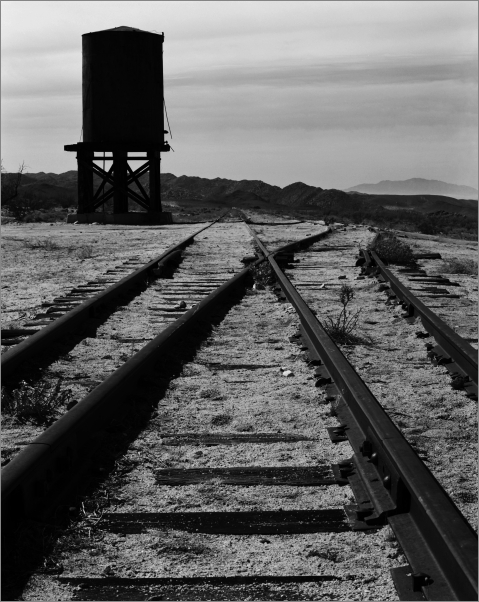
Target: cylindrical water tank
(123, 87)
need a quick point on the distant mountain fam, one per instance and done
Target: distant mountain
(417, 186)
(249, 193)
(231, 191)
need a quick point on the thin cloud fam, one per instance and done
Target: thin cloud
(388, 71)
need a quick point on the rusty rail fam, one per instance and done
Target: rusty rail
(440, 545)
(44, 472)
(40, 341)
(454, 352)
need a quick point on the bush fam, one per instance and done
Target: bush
(23, 205)
(85, 252)
(341, 330)
(47, 244)
(39, 404)
(459, 266)
(429, 226)
(43, 216)
(392, 250)
(221, 419)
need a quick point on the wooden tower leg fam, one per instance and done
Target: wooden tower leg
(155, 190)
(120, 176)
(85, 181)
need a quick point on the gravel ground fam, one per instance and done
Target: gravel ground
(438, 421)
(235, 383)
(236, 379)
(461, 313)
(82, 362)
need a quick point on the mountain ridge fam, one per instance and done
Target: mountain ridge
(228, 192)
(414, 186)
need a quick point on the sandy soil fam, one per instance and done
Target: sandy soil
(237, 373)
(82, 362)
(237, 379)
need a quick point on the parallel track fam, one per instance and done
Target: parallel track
(67, 313)
(440, 546)
(451, 350)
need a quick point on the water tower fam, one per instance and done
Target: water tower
(122, 113)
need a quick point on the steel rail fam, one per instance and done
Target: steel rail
(440, 545)
(44, 472)
(303, 243)
(290, 247)
(458, 356)
(39, 341)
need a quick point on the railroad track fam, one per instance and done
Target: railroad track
(242, 426)
(69, 311)
(103, 323)
(451, 350)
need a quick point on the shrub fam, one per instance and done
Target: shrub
(341, 329)
(10, 184)
(43, 216)
(392, 250)
(263, 274)
(85, 252)
(29, 204)
(47, 244)
(40, 404)
(460, 266)
(429, 225)
(221, 419)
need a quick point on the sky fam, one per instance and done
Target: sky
(330, 93)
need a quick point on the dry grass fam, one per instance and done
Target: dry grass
(85, 252)
(41, 404)
(456, 265)
(46, 244)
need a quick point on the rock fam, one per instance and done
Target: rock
(182, 304)
(278, 348)
(108, 570)
(458, 382)
(341, 277)
(288, 373)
